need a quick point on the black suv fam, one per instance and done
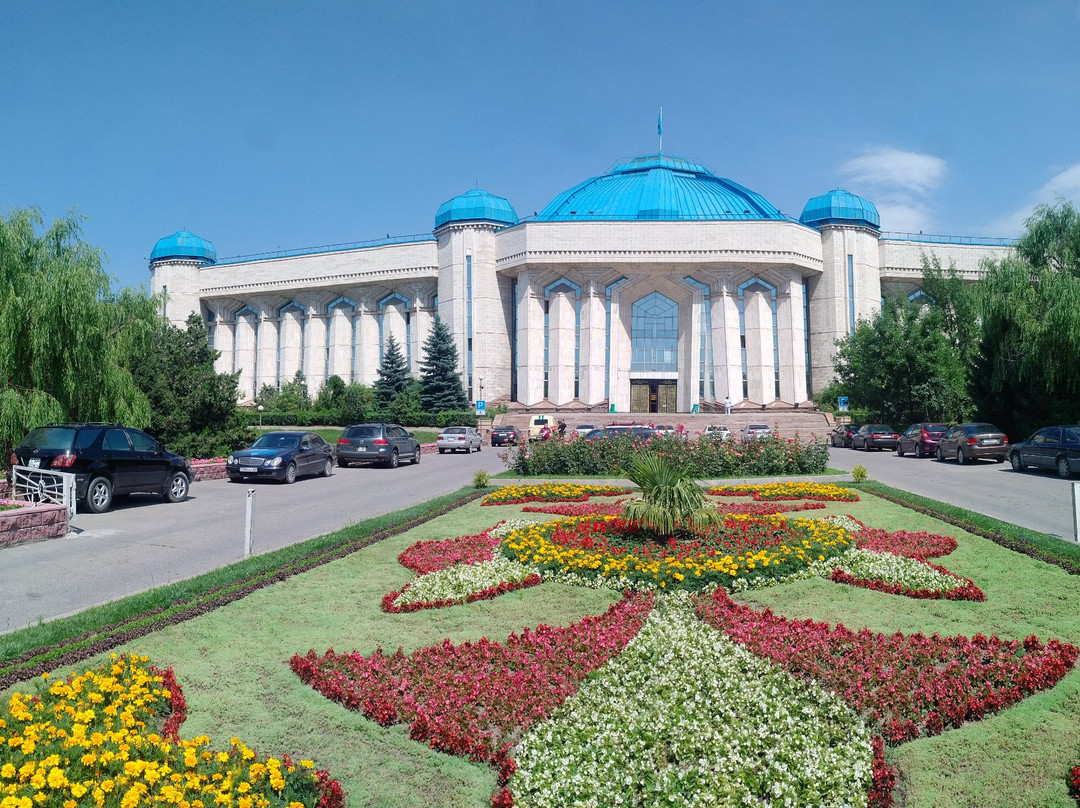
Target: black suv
(384, 443)
(107, 460)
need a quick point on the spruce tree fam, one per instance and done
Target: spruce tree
(440, 383)
(394, 375)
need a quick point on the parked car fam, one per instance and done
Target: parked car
(875, 436)
(383, 443)
(968, 442)
(666, 429)
(1052, 447)
(920, 440)
(459, 439)
(505, 436)
(751, 431)
(108, 461)
(841, 436)
(538, 422)
(636, 431)
(281, 456)
(584, 429)
(717, 432)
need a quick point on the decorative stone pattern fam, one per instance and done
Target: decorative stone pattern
(5, 489)
(209, 471)
(32, 523)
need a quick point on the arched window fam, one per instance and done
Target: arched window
(654, 334)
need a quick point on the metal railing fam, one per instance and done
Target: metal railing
(42, 486)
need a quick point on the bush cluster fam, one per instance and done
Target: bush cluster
(706, 458)
(304, 418)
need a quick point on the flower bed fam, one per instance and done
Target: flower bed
(474, 699)
(900, 575)
(771, 492)
(904, 685)
(461, 583)
(550, 492)
(109, 736)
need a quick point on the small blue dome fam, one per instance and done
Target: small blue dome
(658, 187)
(183, 244)
(476, 206)
(840, 207)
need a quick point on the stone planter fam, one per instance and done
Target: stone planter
(32, 523)
(209, 471)
(5, 489)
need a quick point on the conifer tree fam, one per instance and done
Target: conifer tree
(394, 375)
(440, 382)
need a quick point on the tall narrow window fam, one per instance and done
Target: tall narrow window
(468, 322)
(705, 365)
(654, 334)
(851, 292)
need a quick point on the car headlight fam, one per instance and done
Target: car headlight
(231, 461)
(273, 463)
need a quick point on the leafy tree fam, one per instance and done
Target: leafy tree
(901, 367)
(188, 397)
(293, 396)
(440, 382)
(393, 377)
(356, 402)
(405, 408)
(65, 338)
(329, 398)
(670, 498)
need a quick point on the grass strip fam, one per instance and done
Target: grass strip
(1041, 546)
(38, 649)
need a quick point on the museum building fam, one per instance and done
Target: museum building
(655, 287)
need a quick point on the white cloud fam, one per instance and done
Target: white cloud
(895, 169)
(1063, 184)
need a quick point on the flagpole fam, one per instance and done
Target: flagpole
(660, 129)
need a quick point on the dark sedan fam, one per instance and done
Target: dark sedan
(505, 436)
(282, 456)
(1053, 447)
(920, 440)
(638, 433)
(841, 436)
(875, 436)
(970, 442)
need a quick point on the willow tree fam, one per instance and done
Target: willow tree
(65, 337)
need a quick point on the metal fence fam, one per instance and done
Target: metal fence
(38, 486)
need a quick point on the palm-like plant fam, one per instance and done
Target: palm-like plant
(670, 498)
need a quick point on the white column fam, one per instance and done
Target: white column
(245, 355)
(315, 352)
(367, 346)
(530, 320)
(727, 356)
(341, 338)
(561, 321)
(789, 321)
(268, 348)
(592, 346)
(759, 345)
(224, 344)
(292, 340)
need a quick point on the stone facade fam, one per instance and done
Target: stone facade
(32, 523)
(557, 311)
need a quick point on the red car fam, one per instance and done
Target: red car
(920, 440)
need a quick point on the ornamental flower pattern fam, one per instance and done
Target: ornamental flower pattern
(558, 736)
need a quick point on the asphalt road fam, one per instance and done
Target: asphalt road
(1039, 500)
(144, 542)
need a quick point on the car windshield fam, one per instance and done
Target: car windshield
(50, 439)
(881, 428)
(935, 428)
(981, 429)
(454, 430)
(276, 442)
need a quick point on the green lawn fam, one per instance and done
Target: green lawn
(232, 664)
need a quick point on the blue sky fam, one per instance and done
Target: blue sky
(270, 125)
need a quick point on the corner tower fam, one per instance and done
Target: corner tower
(470, 302)
(175, 263)
(849, 288)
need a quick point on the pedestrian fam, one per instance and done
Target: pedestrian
(727, 405)
(562, 428)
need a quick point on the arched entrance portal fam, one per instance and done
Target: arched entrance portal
(654, 354)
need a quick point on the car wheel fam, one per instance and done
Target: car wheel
(1015, 461)
(441, 450)
(328, 467)
(1063, 469)
(343, 462)
(940, 457)
(393, 461)
(416, 455)
(98, 495)
(290, 474)
(999, 459)
(961, 458)
(918, 450)
(177, 490)
(899, 450)
(479, 447)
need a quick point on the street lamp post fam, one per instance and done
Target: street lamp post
(260, 408)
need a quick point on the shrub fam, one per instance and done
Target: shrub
(481, 479)
(859, 474)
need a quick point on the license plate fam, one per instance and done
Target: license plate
(34, 462)
(991, 442)
(248, 469)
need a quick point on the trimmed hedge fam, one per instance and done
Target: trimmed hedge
(305, 418)
(706, 458)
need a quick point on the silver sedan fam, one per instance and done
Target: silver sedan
(459, 439)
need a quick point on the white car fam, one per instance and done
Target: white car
(459, 439)
(751, 431)
(717, 432)
(582, 429)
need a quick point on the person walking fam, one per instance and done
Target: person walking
(727, 405)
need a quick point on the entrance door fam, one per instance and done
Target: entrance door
(653, 395)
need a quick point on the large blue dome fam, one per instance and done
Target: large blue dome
(184, 245)
(657, 187)
(840, 207)
(476, 206)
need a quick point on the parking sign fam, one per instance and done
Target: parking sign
(481, 407)
(842, 403)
